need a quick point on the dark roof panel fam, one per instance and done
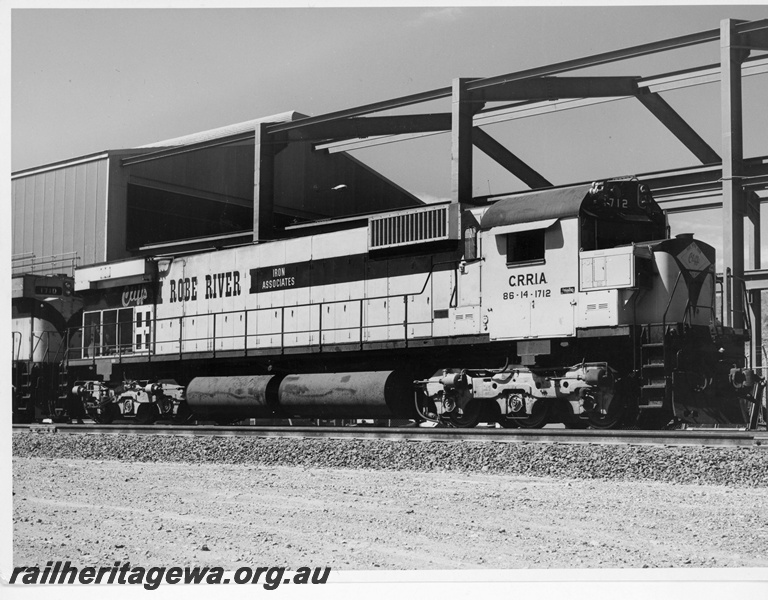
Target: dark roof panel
(552, 203)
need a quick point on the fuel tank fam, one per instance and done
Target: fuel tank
(368, 394)
(245, 396)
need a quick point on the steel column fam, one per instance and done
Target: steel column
(754, 263)
(731, 57)
(462, 112)
(263, 184)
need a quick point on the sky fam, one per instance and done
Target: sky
(87, 80)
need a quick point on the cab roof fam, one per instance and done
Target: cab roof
(551, 203)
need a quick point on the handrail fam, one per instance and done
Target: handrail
(15, 349)
(726, 305)
(669, 303)
(727, 299)
(690, 306)
(719, 282)
(119, 349)
(747, 313)
(39, 265)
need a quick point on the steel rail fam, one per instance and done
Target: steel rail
(691, 437)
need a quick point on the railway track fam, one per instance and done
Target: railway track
(691, 437)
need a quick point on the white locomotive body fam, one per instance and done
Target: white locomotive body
(567, 304)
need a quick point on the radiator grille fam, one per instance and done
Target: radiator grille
(413, 227)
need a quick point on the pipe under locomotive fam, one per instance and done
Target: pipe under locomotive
(567, 305)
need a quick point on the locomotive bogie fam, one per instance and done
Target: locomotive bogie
(143, 401)
(516, 395)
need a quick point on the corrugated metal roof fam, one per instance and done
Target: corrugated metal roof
(227, 130)
(192, 138)
(554, 203)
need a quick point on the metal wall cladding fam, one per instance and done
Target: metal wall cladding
(61, 210)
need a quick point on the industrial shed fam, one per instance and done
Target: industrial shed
(189, 192)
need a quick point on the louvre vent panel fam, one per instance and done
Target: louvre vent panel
(413, 227)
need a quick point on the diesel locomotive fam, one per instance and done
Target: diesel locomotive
(569, 305)
(42, 309)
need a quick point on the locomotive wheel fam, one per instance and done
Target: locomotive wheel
(183, 414)
(507, 423)
(537, 419)
(107, 415)
(470, 416)
(616, 413)
(146, 414)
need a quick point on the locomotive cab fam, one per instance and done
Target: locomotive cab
(607, 321)
(557, 259)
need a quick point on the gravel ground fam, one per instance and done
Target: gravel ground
(231, 502)
(678, 464)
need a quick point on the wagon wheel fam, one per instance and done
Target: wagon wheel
(469, 417)
(538, 417)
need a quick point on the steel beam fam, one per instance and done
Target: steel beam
(603, 58)
(754, 35)
(705, 178)
(756, 280)
(521, 110)
(557, 68)
(506, 159)
(679, 127)
(553, 88)
(562, 67)
(363, 127)
(365, 109)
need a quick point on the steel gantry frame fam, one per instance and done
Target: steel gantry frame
(545, 89)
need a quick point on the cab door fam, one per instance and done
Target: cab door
(530, 279)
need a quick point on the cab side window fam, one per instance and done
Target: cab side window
(525, 246)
